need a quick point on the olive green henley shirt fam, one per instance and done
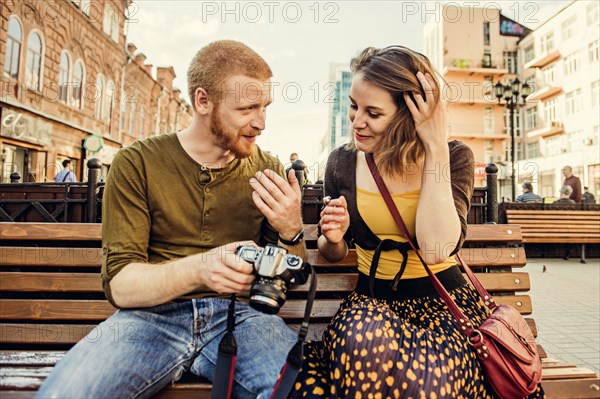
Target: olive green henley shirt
(159, 204)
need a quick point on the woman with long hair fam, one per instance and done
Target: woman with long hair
(394, 337)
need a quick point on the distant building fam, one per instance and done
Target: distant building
(339, 130)
(69, 89)
(469, 49)
(561, 58)
(558, 126)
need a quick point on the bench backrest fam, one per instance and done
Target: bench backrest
(51, 294)
(557, 226)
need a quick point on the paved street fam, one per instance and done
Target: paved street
(566, 308)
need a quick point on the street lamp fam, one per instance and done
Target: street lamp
(511, 93)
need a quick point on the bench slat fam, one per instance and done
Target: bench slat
(92, 257)
(551, 212)
(51, 231)
(18, 333)
(331, 282)
(569, 389)
(29, 378)
(52, 257)
(80, 309)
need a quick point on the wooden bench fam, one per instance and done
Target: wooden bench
(51, 297)
(557, 226)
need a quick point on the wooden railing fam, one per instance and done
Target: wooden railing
(82, 202)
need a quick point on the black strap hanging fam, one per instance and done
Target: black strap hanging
(225, 369)
(289, 372)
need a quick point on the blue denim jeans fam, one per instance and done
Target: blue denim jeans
(135, 353)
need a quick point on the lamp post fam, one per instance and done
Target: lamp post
(511, 93)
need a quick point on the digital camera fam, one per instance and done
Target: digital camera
(275, 271)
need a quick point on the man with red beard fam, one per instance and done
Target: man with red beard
(175, 209)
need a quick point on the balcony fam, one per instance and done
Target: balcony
(543, 60)
(550, 129)
(478, 135)
(472, 67)
(544, 93)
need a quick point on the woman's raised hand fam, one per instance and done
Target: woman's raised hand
(335, 220)
(428, 113)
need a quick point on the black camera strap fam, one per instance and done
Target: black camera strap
(226, 358)
(289, 372)
(225, 369)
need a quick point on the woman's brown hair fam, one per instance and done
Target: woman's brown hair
(394, 69)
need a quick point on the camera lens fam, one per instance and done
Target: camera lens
(268, 295)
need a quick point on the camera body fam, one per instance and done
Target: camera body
(275, 270)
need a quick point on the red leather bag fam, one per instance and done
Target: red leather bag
(504, 343)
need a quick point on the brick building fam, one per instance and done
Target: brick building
(71, 89)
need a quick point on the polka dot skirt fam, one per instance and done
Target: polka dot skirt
(411, 348)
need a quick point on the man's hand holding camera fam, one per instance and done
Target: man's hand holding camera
(227, 273)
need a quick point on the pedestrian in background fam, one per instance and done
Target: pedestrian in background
(528, 195)
(572, 181)
(66, 175)
(566, 192)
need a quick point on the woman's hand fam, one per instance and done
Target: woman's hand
(335, 220)
(428, 114)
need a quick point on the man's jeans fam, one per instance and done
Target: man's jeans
(135, 353)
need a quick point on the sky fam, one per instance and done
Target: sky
(299, 40)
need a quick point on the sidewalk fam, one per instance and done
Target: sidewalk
(566, 308)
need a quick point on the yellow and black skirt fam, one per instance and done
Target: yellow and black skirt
(402, 344)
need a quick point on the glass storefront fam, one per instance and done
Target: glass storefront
(28, 162)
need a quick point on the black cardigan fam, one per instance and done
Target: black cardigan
(340, 179)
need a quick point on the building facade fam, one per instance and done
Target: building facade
(71, 90)
(561, 60)
(474, 48)
(339, 129)
(472, 52)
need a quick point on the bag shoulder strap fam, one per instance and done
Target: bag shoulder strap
(458, 314)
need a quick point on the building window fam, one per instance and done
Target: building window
(78, 82)
(63, 77)
(510, 61)
(85, 7)
(14, 37)
(591, 12)
(573, 102)
(487, 59)
(533, 150)
(518, 151)
(488, 120)
(547, 42)
(142, 122)
(550, 74)
(593, 51)
(528, 53)
(595, 93)
(132, 119)
(109, 99)
(531, 118)
(575, 140)
(571, 63)
(99, 96)
(551, 111)
(110, 24)
(553, 146)
(486, 33)
(488, 154)
(567, 28)
(34, 61)
(122, 113)
(517, 121)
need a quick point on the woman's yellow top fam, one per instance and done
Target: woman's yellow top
(375, 213)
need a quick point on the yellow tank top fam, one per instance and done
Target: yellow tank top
(376, 215)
